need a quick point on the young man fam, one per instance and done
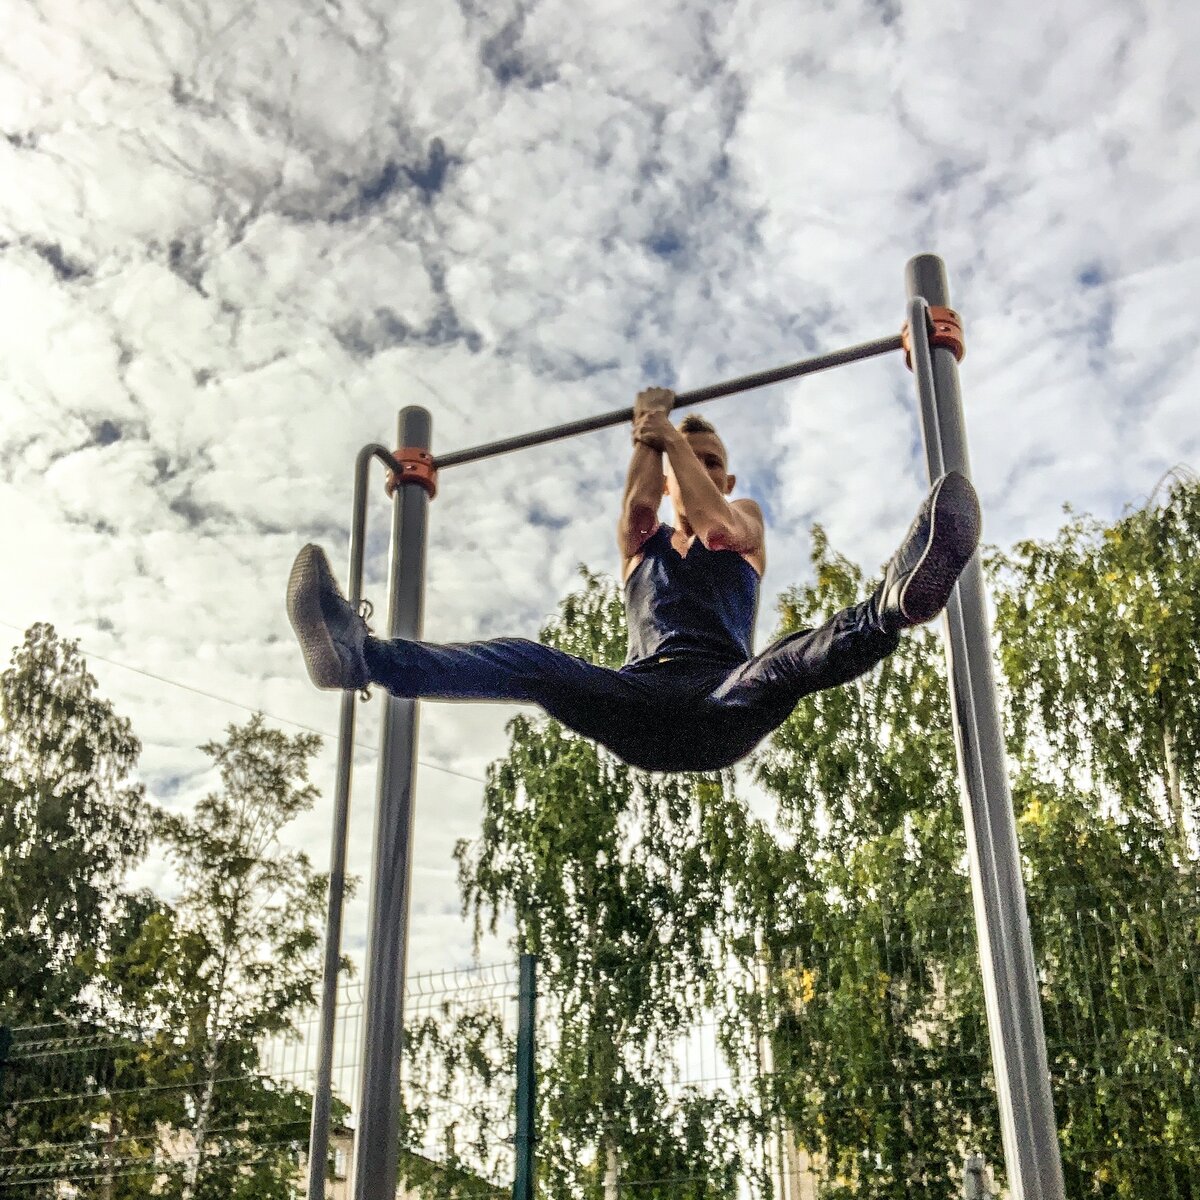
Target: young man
(692, 696)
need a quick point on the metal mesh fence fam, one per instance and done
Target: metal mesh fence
(853, 1062)
(881, 1073)
(98, 1110)
(473, 1008)
(1122, 1002)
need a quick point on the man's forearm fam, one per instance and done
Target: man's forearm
(644, 480)
(643, 492)
(708, 511)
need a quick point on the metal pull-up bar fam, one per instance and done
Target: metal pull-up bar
(933, 344)
(806, 366)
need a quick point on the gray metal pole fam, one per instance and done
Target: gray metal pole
(715, 391)
(318, 1138)
(376, 1149)
(526, 1080)
(1014, 1013)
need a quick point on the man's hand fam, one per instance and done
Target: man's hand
(655, 399)
(652, 429)
(650, 425)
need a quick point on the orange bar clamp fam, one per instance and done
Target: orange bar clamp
(418, 468)
(945, 329)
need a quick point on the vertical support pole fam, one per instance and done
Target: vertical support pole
(526, 1080)
(318, 1137)
(976, 1185)
(1014, 1013)
(376, 1148)
(775, 1145)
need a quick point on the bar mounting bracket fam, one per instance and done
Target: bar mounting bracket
(945, 330)
(417, 466)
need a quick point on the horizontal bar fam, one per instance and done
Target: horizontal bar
(806, 366)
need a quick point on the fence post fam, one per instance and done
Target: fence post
(976, 1184)
(526, 1079)
(322, 1106)
(6, 1040)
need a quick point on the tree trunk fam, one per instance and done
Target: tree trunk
(204, 1109)
(200, 1130)
(106, 1187)
(612, 1171)
(775, 1146)
(1175, 790)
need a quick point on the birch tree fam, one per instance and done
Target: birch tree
(73, 821)
(242, 960)
(614, 879)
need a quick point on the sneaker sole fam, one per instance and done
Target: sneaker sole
(304, 611)
(954, 529)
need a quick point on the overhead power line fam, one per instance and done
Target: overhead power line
(187, 687)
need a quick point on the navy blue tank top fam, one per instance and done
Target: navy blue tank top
(702, 603)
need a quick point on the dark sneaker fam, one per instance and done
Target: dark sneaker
(939, 544)
(332, 635)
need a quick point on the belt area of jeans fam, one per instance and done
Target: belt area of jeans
(696, 658)
(693, 658)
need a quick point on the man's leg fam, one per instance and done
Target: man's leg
(609, 707)
(916, 587)
(512, 669)
(340, 654)
(848, 645)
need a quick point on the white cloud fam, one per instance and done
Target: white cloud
(235, 238)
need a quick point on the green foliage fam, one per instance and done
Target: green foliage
(861, 903)
(460, 1059)
(1100, 640)
(236, 960)
(615, 880)
(876, 1008)
(1099, 632)
(590, 622)
(139, 1020)
(72, 822)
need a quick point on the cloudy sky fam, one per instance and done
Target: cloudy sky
(235, 238)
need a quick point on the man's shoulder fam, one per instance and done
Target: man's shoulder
(756, 554)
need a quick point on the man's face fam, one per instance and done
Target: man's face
(708, 449)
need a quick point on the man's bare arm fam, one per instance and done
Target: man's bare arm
(643, 495)
(719, 524)
(644, 481)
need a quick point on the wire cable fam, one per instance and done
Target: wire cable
(187, 687)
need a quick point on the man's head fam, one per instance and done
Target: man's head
(710, 450)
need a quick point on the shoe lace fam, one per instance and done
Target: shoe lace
(366, 610)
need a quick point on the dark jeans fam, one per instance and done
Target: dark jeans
(678, 713)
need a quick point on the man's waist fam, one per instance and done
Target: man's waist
(699, 654)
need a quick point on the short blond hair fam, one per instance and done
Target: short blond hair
(694, 424)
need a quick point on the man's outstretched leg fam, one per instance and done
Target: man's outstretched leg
(609, 706)
(938, 545)
(916, 587)
(332, 635)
